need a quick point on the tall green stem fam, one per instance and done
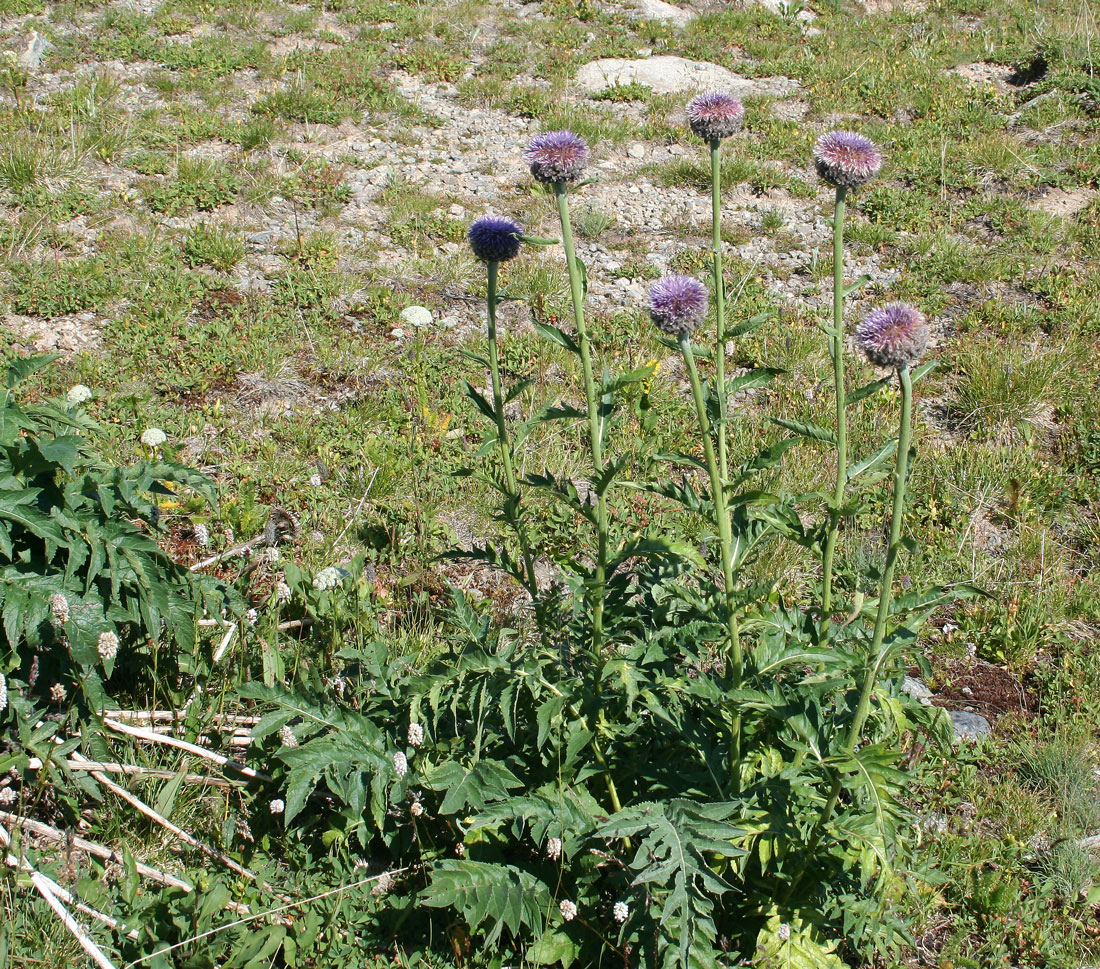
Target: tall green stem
(885, 597)
(735, 658)
(719, 296)
(836, 346)
(576, 290)
(503, 443)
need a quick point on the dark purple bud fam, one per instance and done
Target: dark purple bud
(557, 156)
(846, 159)
(678, 304)
(714, 115)
(494, 238)
(893, 336)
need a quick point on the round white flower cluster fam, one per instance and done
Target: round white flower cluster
(400, 764)
(416, 735)
(282, 592)
(251, 617)
(3, 693)
(202, 535)
(553, 848)
(278, 806)
(107, 646)
(153, 437)
(286, 735)
(620, 911)
(7, 796)
(568, 910)
(58, 693)
(78, 394)
(328, 578)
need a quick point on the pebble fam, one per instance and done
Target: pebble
(969, 726)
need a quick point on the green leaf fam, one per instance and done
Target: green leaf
(807, 430)
(874, 461)
(481, 892)
(747, 326)
(482, 404)
(553, 949)
(857, 285)
(557, 336)
(867, 390)
(793, 944)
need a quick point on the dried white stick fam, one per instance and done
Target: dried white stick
(144, 716)
(165, 823)
(142, 734)
(131, 770)
(43, 830)
(45, 888)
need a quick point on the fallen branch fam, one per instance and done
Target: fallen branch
(142, 734)
(45, 888)
(131, 770)
(144, 716)
(144, 808)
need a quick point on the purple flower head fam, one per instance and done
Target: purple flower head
(557, 156)
(893, 336)
(846, 159)
(678, 304)
(714, 115)
(494, 238)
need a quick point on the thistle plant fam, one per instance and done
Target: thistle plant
(845, 160)
(713, 117)
(678, 307)
(494, 240)
(894, 336)
(559, 159)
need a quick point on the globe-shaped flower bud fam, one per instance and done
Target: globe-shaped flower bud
(846, 159)
(557, 156)
(678, 304)
(714, 115)
(494, 239)
(893, 336)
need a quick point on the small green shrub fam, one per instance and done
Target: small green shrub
(213, 245)
(198, 184)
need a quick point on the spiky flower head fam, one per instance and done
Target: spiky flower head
(202, 535)
(107, 646)
(678, 304)
(494, 238)
(557, 156)
(846, 159)
(893, 336)
(715, 115)
(59, 609)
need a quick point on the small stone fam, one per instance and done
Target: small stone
(969, 726)
(636, 150)
(916, 689)
(457, 210)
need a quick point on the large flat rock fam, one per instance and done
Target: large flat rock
(671, 75)
(661, 11)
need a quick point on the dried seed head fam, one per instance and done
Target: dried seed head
(893, 336)
(58, 693)
(847, 159)
(494, 238)
(678, 304)
(715, 115)
(557, 156)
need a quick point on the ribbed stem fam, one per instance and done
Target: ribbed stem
(863, 709)
(735, 658)
(719, 296)
(836, 346)
(561, 193)
(503, 443)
